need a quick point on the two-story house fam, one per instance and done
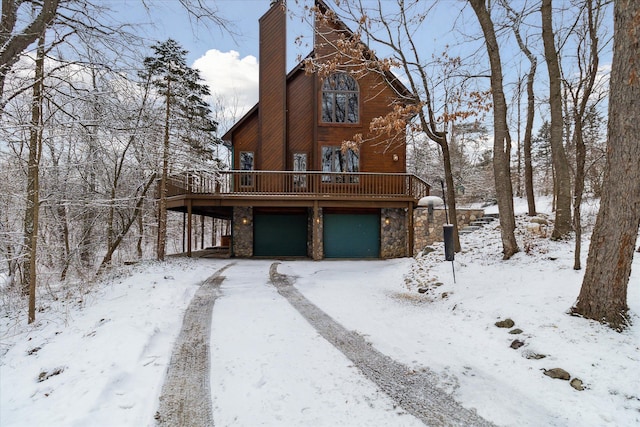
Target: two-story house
(293, 189)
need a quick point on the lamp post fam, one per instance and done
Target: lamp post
(447, 229)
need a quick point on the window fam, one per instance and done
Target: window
(246, 164)
(300, 164)
(334, 159)
(340, 99)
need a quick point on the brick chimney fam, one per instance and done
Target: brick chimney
(273, 90)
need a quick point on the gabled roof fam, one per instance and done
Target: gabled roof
(390, 78)
(227, 136)
(254, 109)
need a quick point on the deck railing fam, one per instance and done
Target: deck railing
(298, 183)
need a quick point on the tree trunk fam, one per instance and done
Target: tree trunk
(519, 145)
(501, 141)
(86, 245)
(581, 154)
(603, 296)
(64, 231)
(137, 212)
(580, 108)
(528, 131)
(162, 204)
(14, 44)
(140, 234)
(111, 215)
(451, 193)
(33, 184)
(562, 225)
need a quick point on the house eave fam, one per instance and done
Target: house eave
(227, 136)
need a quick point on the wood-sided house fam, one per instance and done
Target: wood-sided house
(293, 190)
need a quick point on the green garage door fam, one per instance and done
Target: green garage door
(351, 235)
(276, 234)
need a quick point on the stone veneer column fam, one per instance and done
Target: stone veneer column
(243, 231)
(426, 232)
(393, 236)
(317, 223)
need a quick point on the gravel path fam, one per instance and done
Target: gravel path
(415, 392)
(185, 399)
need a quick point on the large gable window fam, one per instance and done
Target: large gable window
(340, 99)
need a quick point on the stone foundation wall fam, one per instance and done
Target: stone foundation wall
(428, 230)
(393, 233)
(466, 216)
(243, 232)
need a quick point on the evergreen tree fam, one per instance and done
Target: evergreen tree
(541, 158)
(541, 144)
(186, 119)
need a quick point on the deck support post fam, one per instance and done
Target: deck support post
(202, 231)
(184, 230)
(189, 224)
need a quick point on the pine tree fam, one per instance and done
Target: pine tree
(186, 118)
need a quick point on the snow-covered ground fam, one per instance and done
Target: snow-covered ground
(99, 360)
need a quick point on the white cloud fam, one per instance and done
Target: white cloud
(232, 80)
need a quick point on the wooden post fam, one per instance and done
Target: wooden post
(189, 224)
(184, 230)
(201, 231)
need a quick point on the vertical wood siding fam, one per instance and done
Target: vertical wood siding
(272, 91)
(300, 102)
(245, 138)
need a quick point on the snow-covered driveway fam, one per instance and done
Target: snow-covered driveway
(270, 367)
(277, 359)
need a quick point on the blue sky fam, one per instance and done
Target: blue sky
(168, 19)
(230, 63)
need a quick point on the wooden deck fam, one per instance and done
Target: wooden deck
(288, 188)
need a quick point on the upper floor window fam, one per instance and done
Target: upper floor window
(340, 95)
(246, 164)
(334, 159)
(300, 164)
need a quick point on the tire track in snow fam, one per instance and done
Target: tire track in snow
(415, 392)
(185, 399)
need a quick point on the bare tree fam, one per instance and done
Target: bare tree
(580, 90)
(501, 136)
(14, 41)
(18, 33)
(562, 225)
(516, 19)
(395, 28)
(603, 296)
(33, 183)
(87, 174)
(122, 214)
